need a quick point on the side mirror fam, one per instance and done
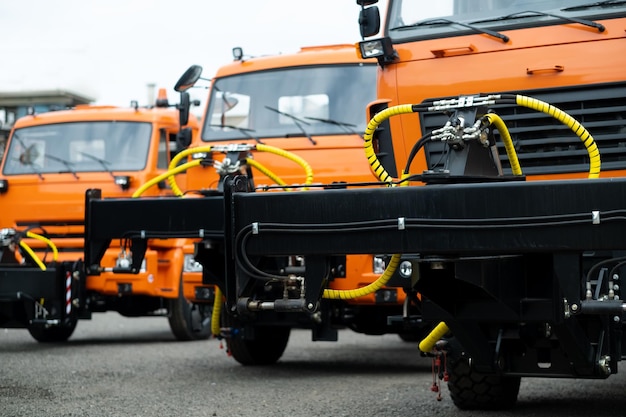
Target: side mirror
(183, 139)
(183, 109)
(369, 21)
(188, 79)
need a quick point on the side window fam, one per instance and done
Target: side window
(164, 157)
(174, 149)
(168, 148)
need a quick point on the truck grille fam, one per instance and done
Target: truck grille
(546, 146)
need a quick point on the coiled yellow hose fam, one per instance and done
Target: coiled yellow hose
(259, 147)
(377, 168)
(383, 176)
(368, 289)
(291, 156)
(176, 159)
(217, 311)
(429, 341)
(168, 174)
(573, 124)
(508, 142)
(263, 169)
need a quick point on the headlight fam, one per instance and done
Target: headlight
(381, 49)
(123, 181)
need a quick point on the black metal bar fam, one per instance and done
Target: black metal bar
(18, 280)
(148, 218)
(476, 219)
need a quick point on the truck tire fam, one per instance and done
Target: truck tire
(55, 334)
(189, 321)
(471, 390)
(266, 348)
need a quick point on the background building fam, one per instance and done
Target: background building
(14, 105)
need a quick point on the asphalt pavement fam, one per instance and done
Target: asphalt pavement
(117, 366)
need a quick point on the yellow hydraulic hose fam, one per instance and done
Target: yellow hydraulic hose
(289, 155)
(263, 169)
(259, 147)
(370, 154)
(217, 311)
(497, 121)
(573, 124)
(185, 152)
(32, 254)
(368, 289)
(429, 341)
(55, 252)
(165, 175)
(177, 158)
(384, 176)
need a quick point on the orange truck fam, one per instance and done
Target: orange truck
(50, 160)
(505, 190)
(290, 121)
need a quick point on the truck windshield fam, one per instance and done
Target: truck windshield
(409, 19)
(78, 147)
(320, 100)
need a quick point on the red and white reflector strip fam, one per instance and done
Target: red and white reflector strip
(68, 292)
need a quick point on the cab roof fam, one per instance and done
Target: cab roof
(100, 113)
(309, 55)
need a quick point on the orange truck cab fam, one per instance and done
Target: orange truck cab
(563, 52)
(51, 159)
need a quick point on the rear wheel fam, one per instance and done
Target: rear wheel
(53, 334)
(265, 348)
(471, 390)
(189, 321)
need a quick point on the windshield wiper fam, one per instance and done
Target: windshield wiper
(102, 162)
(31, 166)
(243, 130)
(296, 121)
(606, 3)
(64, 162)
(530, 13)
(347, 126)
(435, 21)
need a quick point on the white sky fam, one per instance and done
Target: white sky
(112, 49)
